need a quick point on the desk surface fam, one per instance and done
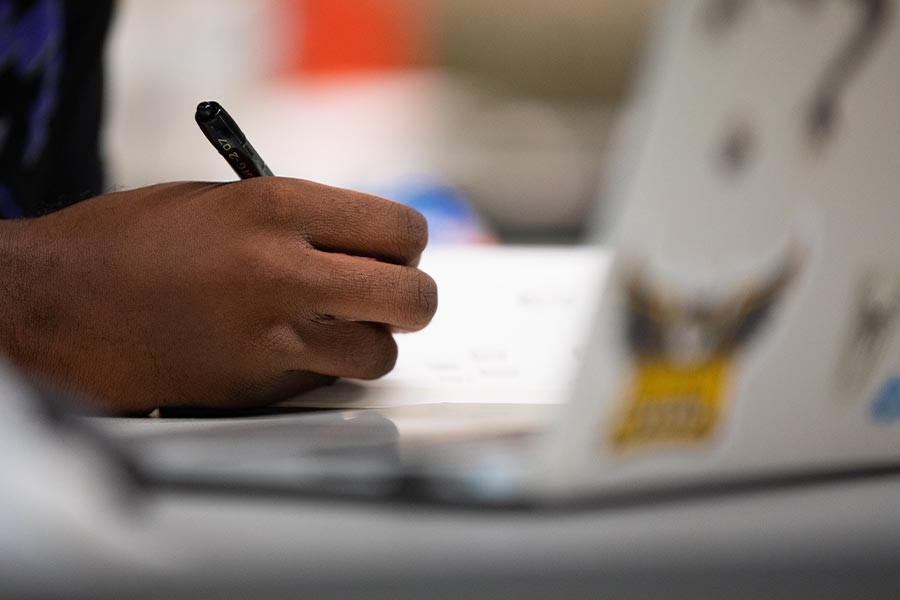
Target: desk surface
(849, 536)
(823, 541)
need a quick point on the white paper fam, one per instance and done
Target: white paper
(509, 329)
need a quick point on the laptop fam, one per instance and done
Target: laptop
(746, 330)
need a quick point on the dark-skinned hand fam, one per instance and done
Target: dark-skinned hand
(212, 295)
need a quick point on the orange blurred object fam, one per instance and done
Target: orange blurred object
(333, 37)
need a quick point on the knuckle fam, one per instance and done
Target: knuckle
(262, 191)
(269, 197)
(279, 342)
(260, 267)
(258, 196)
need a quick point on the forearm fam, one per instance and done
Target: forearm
(25, 279)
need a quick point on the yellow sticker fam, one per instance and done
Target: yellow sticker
(669, 403)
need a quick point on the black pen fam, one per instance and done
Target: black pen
(225, 135)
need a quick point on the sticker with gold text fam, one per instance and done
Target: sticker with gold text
(683, 354)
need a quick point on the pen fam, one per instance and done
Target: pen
(225, 135)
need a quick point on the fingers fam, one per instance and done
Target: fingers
(347, 349)
(338, 220)
(355, 289)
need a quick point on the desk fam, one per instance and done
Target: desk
(830, 542)
(834, 541)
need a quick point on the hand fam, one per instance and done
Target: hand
(214, 295)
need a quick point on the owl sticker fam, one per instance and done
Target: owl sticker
(683, 351)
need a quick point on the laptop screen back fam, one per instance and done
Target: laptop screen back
(751, 322)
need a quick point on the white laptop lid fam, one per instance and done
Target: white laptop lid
(751, 322)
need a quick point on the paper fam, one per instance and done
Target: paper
(509, 329)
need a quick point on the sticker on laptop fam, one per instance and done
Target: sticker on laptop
(886, 405)
(875, 319)
(683, 352)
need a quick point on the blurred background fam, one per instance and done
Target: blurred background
(493, 118)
